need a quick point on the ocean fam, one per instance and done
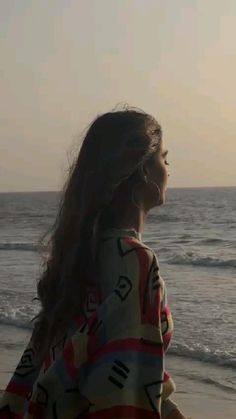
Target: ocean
(194, 237)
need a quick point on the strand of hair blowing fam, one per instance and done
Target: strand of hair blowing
(56, 288)
(72, 265)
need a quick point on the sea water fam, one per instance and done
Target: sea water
(194, 237)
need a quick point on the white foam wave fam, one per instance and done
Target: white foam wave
(18, 317)
(206, 380)
(19, 246)
(204, 355)
(16, 322)
(209, 261)
(22, 320)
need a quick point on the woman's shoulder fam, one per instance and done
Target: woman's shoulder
(135, 243)
(124, 241)
(137, 258)
(137, 246)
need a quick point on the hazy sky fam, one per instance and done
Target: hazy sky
(64, 62)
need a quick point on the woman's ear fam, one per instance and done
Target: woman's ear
(145, 171)
(142, 174)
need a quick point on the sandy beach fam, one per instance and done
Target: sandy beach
(207, 404)
(202, 406)
(205, 407)
(206, 397)
(203, 391)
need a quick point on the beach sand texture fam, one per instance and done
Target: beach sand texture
(202, 406)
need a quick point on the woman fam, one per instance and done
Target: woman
(98, 345)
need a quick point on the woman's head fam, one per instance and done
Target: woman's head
(121, 151)
(117, 145)
(124, 151)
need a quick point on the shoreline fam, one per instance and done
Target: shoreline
(200, 401)
(203, 390)
(200, 406)
(203, 402)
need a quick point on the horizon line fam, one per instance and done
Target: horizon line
(173, 187)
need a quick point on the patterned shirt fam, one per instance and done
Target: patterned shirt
(110, 363)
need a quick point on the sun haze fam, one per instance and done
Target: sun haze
(63, 62)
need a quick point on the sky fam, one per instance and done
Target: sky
(64, 62)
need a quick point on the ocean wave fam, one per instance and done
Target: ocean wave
(18, 317)
(209, 261)
(216, 241)
(220, 358)
(164, 218)
(207, 380)
(23, 324)
(211, 241)
(33, 247)
(200, 354)
(219, 385)
(186, 236)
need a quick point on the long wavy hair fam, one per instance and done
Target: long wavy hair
(114, 150)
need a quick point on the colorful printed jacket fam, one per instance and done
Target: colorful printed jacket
(110, 363)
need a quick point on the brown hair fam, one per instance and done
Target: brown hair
(113, 151)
